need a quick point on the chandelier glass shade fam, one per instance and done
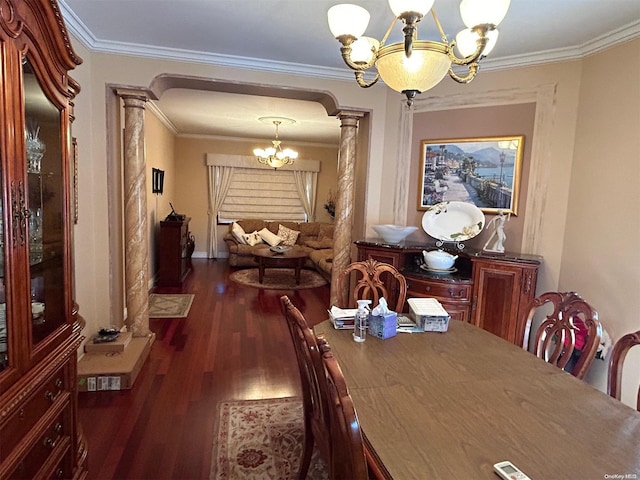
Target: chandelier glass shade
(414, 66)
(275, 156)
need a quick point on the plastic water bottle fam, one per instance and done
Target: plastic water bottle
(360, 324)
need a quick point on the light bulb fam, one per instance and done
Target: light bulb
(347, 19)
(466, 41)
(363, 49)
(481, 12)
(398, 7)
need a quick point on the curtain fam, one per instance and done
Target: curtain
(219, 181)
(306, 184)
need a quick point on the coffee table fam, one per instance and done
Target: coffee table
(293, 258)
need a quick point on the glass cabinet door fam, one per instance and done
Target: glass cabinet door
(45, 216)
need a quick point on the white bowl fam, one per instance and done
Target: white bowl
(393, 233)
(439, 259)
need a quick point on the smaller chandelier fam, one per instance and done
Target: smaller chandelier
(414, 66)
(275, 156)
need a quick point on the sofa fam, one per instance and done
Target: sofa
(316, 238)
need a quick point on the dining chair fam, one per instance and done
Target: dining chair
(373, 279)
(316, 401)
(616, 362)
(569, 336)
(314, 386)
(348, 460)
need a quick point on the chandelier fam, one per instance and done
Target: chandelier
(414, 66)
(275, 156)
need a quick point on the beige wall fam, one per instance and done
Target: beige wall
(190, 196)
(600, 257)
(554, 151)
(568, 179)
(493, 121)
(159, 143)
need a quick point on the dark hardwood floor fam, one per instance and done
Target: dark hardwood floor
(233, 345)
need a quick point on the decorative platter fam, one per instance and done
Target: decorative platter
(453, 221)
(438, 270)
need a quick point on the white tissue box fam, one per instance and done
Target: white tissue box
(429, 314)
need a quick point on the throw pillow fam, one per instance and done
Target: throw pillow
(238, 233)
(287, 235)
(269, 237)
(252, 238)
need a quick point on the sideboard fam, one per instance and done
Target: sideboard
(489, 290)
(173, 256)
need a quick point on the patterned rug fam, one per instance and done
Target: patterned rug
(278, 278)
(261, 440)
(170, 305)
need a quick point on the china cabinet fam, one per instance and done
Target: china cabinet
(39, 323)
(489, 290)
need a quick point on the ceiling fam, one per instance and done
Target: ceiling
(293, 36)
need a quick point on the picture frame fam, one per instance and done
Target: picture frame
(157, 181)
(484, 171)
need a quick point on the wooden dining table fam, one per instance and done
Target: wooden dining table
(450, 405)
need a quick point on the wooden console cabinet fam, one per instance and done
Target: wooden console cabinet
(40, 328)
(173, 258)
(491, 291)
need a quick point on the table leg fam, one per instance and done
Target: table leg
(261, 270)
(299, 264)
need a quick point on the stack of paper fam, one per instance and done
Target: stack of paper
(342, 318)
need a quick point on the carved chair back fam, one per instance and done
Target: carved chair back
(349, 459)
(616, 362)
(569, 336)
(371, 279)
(314, 386)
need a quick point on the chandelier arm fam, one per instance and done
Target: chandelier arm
(361, 81)
(473, 70)
(439, 25)
(474, 57)
(346, 56)
(388, 32)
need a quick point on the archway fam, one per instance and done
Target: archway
(164, 82)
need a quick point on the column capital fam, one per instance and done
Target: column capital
(134, 97)
(350, 117)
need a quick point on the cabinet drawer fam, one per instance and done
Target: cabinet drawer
(64, 468)
(458, 311)
(441, 290)
(50, 444)
(25, 417)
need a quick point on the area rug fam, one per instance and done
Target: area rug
(261, 439)
(175, 305)
(278, 278)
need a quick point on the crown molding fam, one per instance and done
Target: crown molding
(153, 108)
(296, 144)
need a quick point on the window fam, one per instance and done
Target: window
(262, 193)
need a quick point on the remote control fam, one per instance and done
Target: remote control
(508, 471)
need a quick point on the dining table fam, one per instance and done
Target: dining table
(450, 405)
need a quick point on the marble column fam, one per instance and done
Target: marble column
(345, 197)
(136, 255)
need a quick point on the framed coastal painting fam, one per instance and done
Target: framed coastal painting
(483, 171)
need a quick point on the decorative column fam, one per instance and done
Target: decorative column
(345, 197)
(136, 257)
